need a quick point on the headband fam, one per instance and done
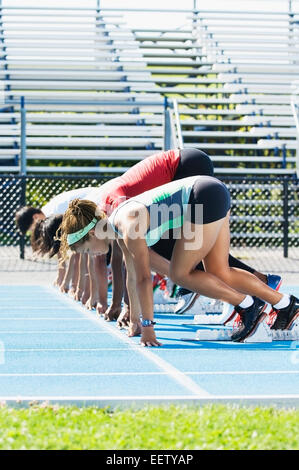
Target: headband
(76, 236)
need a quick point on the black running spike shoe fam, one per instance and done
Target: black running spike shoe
(250, 318)
(286, 316)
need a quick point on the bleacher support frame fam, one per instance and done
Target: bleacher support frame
(172, 130)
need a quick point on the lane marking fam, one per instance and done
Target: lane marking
(113, 374)
(108, 399)
(82, 374)
(42, 319)
(48, 332)
(46, 306)
(171, 371)
(62, 349)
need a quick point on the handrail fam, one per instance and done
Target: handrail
(91, 102)
(295, 109)
(23, 146)
(177, 124)
(146, 10)
(172, 127)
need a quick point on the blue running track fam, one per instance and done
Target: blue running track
(52, 349)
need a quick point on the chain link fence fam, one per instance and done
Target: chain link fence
(264, 216)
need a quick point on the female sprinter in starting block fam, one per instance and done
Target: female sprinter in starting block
(154, 171)
(202, 236)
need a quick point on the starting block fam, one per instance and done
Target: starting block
(163, 304)
(164, 307)
(210, 317)
(263, 334)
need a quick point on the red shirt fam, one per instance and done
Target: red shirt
(153, 171)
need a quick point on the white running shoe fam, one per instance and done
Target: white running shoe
(185, 300)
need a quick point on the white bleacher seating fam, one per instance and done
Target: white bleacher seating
(231, 74)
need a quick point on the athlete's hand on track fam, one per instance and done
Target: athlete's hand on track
(64, 288)
(72, 292)
(56, 282)
(91, 303)
(134, 329)
(78, 295)
(112, 313)
(123, 319)
(149, 337)
(84, 297)
(101, 309)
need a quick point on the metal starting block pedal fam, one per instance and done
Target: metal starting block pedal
(212, 318)
(163, 303)
(263, 334)
(164, 307)
(209, 316)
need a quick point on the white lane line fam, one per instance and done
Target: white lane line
(115, 374)
(108, 400)
(62, 349)
(42, 319)
(81, 374)
(172, 371)
(49, 332)
(2, 308)
(243, 372)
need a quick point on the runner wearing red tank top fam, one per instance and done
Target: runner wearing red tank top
(153, 171)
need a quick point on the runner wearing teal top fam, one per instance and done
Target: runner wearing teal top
(86, 229)
(158, 201)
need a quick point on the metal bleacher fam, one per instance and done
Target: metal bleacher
(234, 99)
(88, 95)
(95, 89)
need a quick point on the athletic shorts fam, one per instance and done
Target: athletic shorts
(212, 197)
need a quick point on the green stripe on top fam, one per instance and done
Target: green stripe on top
(161, 197)
(153, 236)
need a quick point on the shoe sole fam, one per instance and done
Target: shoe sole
(260, 318)
(186, 307)
(234, 314)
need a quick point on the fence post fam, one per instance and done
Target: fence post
(285, 218)
(23, 168)
(167, 125)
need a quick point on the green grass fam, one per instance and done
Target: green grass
(152, 428)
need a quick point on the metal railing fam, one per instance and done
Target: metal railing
(176, 136)
(295, 109)
(135, 104)
(172, 127)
